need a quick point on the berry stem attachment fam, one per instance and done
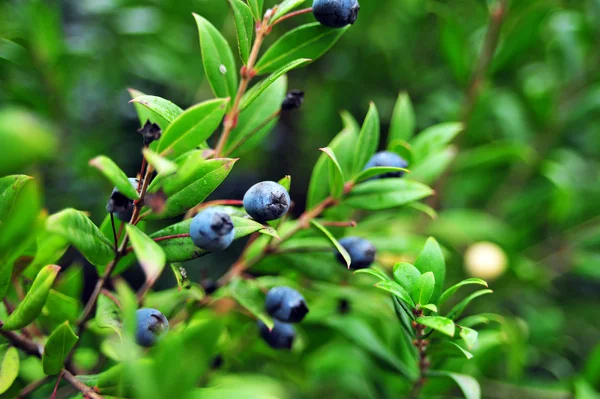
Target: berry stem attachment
(293, 14)
(56, 386)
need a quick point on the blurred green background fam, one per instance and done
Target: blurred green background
(525, 174)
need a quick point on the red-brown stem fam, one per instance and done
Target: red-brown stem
(56, 386)
(194, 211)
(292, 14)
(25, 392)
(159, 239)
(421, 344)
(252, 133)
(80, 386)
(112, 297)
(350, 223)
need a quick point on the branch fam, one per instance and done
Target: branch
(293, 14)
(23, 343)
(421, 344)
(80, 386)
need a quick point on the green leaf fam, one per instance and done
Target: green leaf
(432, 260)
(108, 314)
(483, 318)
(160, 164)
(438, 323)
(155, 109)
(286, 182)
(432, 167)
(467, 384)
(335, 242)
(60, 308)
(373, 271)
(57, 348)
(430, 306)
(196, 182)
(397, 290)
(285, 7)
(217, 58)
(462, 350)
(406, 275)
(50, 248)
(375, 195)
(245, 226)
(9, 368)
(368, 140)
(31, 306)
(181, 276)
(244, 26)
(256, 6)
(256, 121)
(149, 253)
(450, 291)
(376, 171)
(457, 310)
(248, 294)
(115, 175)
(468, 335)
(81, 232)
(336, 176)
(426, 209)
(256, 90)
(433, 140)
(307, 41)
(10, 186)
(402, 125)
(192, 127)
(24, 140)
(423, 288)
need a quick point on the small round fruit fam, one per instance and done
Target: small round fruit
(151, 326)
(485, 260)
(280, 337)
(387, 158)
(266, 200)
(286, 304)
(212, 230)
(336, 13)
(120, 205)
(361, 251)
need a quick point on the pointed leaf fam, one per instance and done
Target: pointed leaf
(423, 288)
(108, 314)
(402, 125)
(34, 301)
(433, 140)
(248, 294)
(9, 189)
(467, 384)
(307, 41)
(50, 248)
(81, 232)
(192, 127)
(336, 176)
(181, 276)
(406, 275)
(9, 368)
(256, 90)
(149, 253)
(376, 171)
(218, 60)
(368, 140)
(375, 195)
(160, 164)
(430, 306)
(115, 175)
(468, 335)
(155, 109)
(457, 310)
(462, 350)
(431, 168)
(450, 291)
(426, 209)
(373, 271)
(57, 348)
(335, 242)
(397, 290)
(244, 26)
(432, 260)
(438, 323)
(285, 7)
(286, 182)
(256, 6)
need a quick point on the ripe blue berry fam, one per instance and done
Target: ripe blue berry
(361, 251)
(151, 326)
(387, 158)
(336, 13)
(266, 201)
(120, 205)
(212, 230)
(286, 304)
(280, 337)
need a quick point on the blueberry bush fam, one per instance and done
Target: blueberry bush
(345, 288)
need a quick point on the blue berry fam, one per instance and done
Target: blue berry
(286, 304)
(336, 13)
(361, 251)
(387, 158)
(151, 326)
(120, 205)
(266, 201)
(212, 230)
(280, 337)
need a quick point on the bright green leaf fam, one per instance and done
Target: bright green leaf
(373, 271)
(467, 384)
(397, 290)
(9, 368)
(336, 176)
(374, 195)
(248, 294)
(108, 314)
(150, 255)
(433, 140)
(432, 260)
(468, 335)
(457, 310)
(115, 175)
(368, 140)
(402, 125)
(462, 350)
(423, 288)
(256, 6)
(154, 109)
(244, 26)
(335, 242)
(450, 291)
(57, 348)
(438, 323)
(181, 276)
(406, 275)
(377, 171)
(285, 7)
(432, 167)
(160, 164)
(9, 189)
(430, 306)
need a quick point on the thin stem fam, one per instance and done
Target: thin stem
(349, 223)
(421, 344)
(56, 386)
(114, 230)
(292, 14)
(245, 139)
(195, 210)
(301, 250)
(30, 388)
(80, 386)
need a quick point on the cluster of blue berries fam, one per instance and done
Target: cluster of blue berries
(286, 306)
(151, 325)
(213, 230)
(336, 13)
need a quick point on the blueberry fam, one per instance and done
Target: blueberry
(120, 205)
(387, 158)
(280, 337)
(212, 230)
(266, 201)
(286, 304)
(293, 100)
(336, 13)
(151, 326)
(361, 251)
